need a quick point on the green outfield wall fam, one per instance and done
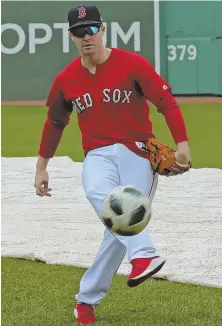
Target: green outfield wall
(36, 43)
(191, 46)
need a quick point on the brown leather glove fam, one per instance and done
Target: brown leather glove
(162, 158)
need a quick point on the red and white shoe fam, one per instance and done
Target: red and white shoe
(84, 313)
(143, 268)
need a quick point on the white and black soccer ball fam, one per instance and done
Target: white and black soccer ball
(126, 210)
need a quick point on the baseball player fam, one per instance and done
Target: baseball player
(108, 90)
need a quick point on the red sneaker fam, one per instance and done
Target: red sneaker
(143, 268)
(84, 314)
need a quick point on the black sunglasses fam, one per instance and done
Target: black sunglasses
(81, 31)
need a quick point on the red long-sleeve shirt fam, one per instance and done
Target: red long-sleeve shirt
(111, 105)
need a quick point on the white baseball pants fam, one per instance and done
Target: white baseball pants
(103, 170)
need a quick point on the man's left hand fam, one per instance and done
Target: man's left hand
(182, 154)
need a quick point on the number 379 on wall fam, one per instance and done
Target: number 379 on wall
(182, 52)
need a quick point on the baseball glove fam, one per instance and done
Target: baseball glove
(162, 158)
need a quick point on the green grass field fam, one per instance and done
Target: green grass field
(37, 294)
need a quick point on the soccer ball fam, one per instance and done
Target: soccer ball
(126, 210)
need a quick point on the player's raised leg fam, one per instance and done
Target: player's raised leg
(137, 171)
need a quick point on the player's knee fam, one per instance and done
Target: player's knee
(96, 199)
(94, 194)
(90, 194)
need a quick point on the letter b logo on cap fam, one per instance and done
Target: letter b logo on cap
(82, 12)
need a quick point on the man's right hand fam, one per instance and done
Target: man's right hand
(41, 183)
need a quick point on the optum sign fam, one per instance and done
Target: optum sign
(116, 33)
(36, 44)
